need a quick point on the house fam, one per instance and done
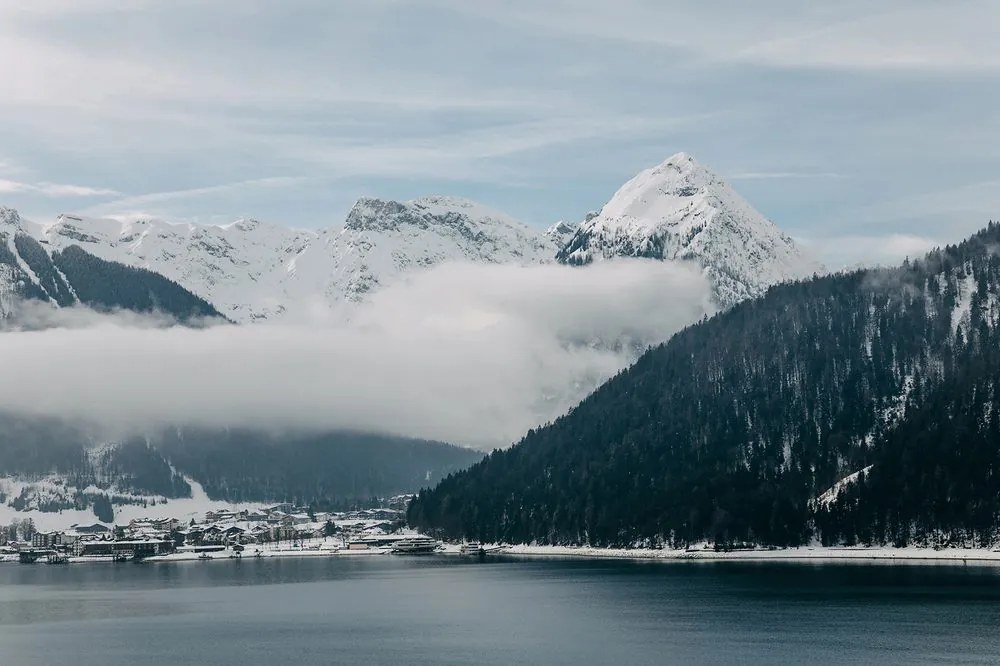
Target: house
(221, 515)
(233, 533)
(379, 514)
(284, 519)
(282, 533)
(96, 528)
(260, 533)
(165, 524)
(309, 531)
(46, 539)
(211, 534)
(137, 548)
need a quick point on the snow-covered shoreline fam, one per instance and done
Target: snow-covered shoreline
(256, 552)
(829, 554)
(797, 554)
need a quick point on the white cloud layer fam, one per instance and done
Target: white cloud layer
(469, 354)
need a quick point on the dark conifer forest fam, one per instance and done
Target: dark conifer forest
(243, 465)
(735, 429)
(109, 285)
(76, 276)
(323, 469)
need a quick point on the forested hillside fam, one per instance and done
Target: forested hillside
(732, 429)
(109, 285)
(72, 276)
(49, 465)
(322, 468)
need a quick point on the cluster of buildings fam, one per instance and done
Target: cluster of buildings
(217, 529)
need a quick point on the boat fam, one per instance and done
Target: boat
(471, 548)
(56, 558)
(415, 545)
(204, 556)
(474, 548)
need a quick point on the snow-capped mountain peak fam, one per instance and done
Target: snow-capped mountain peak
(659, 192)
(560, 232)
(9, 218)
(680, 210)
(381, 240)
(251, 270)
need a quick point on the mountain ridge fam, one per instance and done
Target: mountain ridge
(251, 270)
(71, 276)
(735, 429)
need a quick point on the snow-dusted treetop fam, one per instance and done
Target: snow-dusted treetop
(679, 210)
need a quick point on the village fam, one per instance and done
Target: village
(282, 529)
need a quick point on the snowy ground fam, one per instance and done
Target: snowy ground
(805, 553)
(183, 509)
(332, 546)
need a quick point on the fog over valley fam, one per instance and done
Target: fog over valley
(464, 353)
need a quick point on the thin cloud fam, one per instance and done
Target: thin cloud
(976, 203)
(933, 37)
(852, 250)
(132, 202)
(54, 189)
(786, 175)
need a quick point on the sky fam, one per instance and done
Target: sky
(866, 130)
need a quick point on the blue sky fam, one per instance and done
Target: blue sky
(868, 130)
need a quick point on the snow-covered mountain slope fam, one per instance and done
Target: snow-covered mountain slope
(31, 272)
(679, 210)
(560, 233)
(242, 268)
(250, 270)
(384, 239)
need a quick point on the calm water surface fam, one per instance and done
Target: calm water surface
(394, 610)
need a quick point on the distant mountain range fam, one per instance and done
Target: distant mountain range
(249, 270)
(851, 408)
(253, 271)
(31, 270)
(48, 465)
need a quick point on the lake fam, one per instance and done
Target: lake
(440, 610)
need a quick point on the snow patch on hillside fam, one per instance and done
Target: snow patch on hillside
(961, 316)
(54, 489)
(831, 495)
